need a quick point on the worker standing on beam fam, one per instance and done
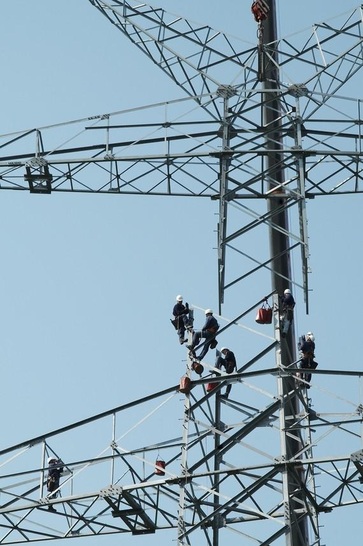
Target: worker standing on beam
(306, 346)
(55, 469)
(228, 361)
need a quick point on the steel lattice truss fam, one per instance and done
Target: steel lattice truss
(234, 477)
(313, 69)
(211, 144)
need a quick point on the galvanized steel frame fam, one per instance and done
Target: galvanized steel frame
(222, 156)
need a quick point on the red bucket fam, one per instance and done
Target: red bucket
(198, 367)
(160, 467)
(211, 386)
(184, 385)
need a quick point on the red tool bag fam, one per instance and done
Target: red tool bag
(264, 314)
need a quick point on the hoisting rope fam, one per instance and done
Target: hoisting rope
(260, 10)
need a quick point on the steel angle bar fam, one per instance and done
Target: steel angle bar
(238, 435)
(261, 265)
(162, 37)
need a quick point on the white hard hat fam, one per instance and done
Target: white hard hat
(224, 349)
(208, 312)
(179, 298)
(287, 291)
(50, 459)
(310, 336)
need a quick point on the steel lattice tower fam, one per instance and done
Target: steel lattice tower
(264, 142)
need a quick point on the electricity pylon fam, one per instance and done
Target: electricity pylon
(262, 136)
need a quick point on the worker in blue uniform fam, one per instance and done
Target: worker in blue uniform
(182, 320)
(208, 332)
(228, 361)
(287, 304)
(55, 469)
(306, 347)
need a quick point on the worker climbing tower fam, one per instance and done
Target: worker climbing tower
(259, 465)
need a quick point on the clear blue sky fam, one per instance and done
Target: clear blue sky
(80, 274)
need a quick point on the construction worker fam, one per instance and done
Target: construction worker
(306, 347)
(55, 469)
(287, 304)
(228, 361)
(208, 332)
(182, 319)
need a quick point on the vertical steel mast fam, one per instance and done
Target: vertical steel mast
(294, 501)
